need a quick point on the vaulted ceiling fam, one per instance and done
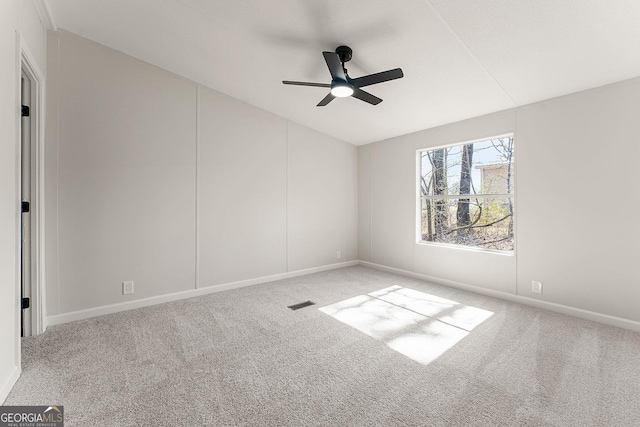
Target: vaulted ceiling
(461, 58)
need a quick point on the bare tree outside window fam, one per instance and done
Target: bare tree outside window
(466, 194)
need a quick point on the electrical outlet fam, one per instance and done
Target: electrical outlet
(127, 288)
(338, 255)
(536, 287)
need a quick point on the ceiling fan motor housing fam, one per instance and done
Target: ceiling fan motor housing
(345, 53)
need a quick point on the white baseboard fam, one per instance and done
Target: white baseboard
(545, 305)
(160, 299)
(8, 383)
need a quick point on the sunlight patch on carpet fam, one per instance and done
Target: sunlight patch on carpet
(416, 324)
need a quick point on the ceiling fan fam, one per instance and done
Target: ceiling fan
(342, 85)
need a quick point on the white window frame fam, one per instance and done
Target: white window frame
(419, 197)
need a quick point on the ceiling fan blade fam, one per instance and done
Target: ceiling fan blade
(335, 66)
(373, 79)
(289, 82)
(327, 99)
(365, 96)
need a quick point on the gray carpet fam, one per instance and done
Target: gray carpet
(241, 357)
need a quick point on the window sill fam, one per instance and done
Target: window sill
(465, 248)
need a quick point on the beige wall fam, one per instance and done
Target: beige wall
(32, 31)
(581, 249)
(581, 241)
(126, 178)
(9, 356)
(242, 176)
(18, 20)
(364, 202)
(51, 179)
(179, 187)
(321, 199)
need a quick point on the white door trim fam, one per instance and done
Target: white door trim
(35, 74)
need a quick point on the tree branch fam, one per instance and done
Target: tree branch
(477, 226)
(495, 241)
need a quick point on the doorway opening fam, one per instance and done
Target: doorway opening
(25, 197)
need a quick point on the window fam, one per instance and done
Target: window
(466, 194)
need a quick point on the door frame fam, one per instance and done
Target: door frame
(30, 67)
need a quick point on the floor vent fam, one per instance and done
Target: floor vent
(301, 305)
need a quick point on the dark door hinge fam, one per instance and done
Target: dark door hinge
(25, 303)
(25, 207)
(25, 111)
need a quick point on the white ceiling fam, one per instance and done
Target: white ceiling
(461, 58)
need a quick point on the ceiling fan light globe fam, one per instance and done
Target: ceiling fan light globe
(341, 90)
